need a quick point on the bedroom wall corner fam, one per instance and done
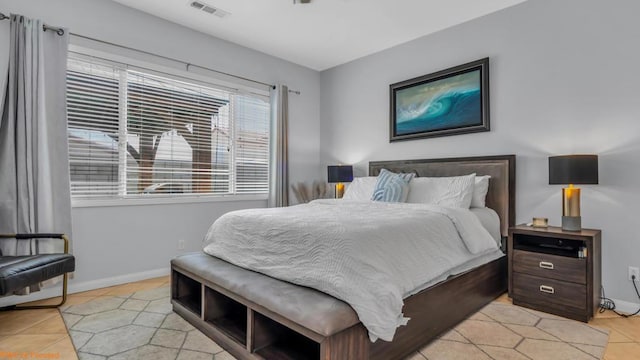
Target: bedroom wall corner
(111, 242)
(563, 80)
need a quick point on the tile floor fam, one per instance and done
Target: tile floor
(44, 332)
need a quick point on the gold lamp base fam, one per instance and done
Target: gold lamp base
(339, 190)
(571, 220)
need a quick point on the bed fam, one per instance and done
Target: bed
(254, 316)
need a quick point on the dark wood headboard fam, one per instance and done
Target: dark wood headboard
(502, 186)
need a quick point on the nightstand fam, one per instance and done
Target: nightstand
(555, 271)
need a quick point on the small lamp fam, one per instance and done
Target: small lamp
(340, 174)
(572, 169)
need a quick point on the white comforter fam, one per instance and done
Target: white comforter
(369, 254)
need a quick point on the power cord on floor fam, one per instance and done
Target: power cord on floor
(609, 304)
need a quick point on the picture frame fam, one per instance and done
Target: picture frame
(448, 102)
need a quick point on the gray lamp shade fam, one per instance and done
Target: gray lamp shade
(573, 169)
(340, 173)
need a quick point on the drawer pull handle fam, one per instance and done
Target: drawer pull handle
(546, 265)
(547, 289)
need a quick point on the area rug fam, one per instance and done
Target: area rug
(138, 326)
(142, 326)
(505, 331)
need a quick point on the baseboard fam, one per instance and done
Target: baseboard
(626, 306)
(84, 286)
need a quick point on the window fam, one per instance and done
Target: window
(135, 134)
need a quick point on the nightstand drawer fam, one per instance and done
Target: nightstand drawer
(548, 290)
(550, 266)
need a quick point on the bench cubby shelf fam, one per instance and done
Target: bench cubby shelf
(247, 332)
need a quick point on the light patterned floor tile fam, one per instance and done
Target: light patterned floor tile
(573, 332)
(160, 306)
(510, 314)
(194, 355)
(416, 356)
(105, 321)
(453, 350)
(118, 340)
(224, 356)
(531, 332)
(133, 304)
(480, 316)
(149, 319)
(70, 319)
(545, 350)
(453, 335)
(488, 333)
(79, 338)
(85, 356)
(595, 351)
(175, 322)
(168, 338)
(199, 342)
(95, 306)
(500, 353)
(147, 352)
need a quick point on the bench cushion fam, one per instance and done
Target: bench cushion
(309, 308)
(17, 272)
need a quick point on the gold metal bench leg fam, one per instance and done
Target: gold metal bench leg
(52, 306)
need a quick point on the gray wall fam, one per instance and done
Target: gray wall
(117, 241)
(564, 79)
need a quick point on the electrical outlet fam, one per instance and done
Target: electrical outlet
(634, 271)
(181, 246)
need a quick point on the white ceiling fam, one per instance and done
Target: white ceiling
(324, 33)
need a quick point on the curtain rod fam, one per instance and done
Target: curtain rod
(187, 64)
(60, 31)
(45, 27)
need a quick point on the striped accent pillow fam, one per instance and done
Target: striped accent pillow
(391, 187)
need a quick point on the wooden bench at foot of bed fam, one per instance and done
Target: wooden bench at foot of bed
(254, 316)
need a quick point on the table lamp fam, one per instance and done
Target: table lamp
(340, 174)
(572, 170)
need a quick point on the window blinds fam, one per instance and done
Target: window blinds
(135, 134)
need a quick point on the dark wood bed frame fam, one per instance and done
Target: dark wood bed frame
(432, 311)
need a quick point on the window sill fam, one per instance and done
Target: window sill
(82, 203)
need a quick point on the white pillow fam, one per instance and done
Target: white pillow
(454, 191)
(480, 190)
(361, 188)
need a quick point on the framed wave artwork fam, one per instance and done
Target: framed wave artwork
(448, 102)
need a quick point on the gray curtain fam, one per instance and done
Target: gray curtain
(279, 192)
(34, 180)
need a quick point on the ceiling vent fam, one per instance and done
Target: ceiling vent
(211, 10)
